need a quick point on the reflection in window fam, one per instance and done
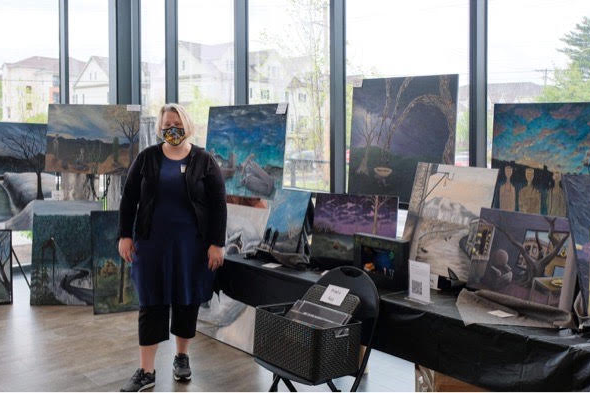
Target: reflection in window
(29, 65)
(205, 51)
(529, 62)
(289, 58)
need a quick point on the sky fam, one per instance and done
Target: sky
(384, 37)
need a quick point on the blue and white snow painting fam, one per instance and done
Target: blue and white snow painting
(248, 142)
(287, 216)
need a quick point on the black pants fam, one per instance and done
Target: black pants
(154, 322)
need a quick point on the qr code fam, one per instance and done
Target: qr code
(416, 287)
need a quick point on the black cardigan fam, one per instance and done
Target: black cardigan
(205, 187)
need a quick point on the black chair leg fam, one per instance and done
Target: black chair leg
(275, 383)
(332, 386)
(289, 385)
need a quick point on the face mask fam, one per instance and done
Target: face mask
(173, 135)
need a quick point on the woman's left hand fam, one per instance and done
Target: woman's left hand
(215, 255)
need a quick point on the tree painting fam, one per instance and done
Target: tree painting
(5, 266)
(397, 122)
(338, 217)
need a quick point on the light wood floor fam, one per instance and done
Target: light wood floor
(61, 348)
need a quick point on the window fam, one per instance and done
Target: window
(55, 80)
(529, 62)
(153, 68)
(28, 58)
(29, 106)
(432, 38)
(250, 92)
(183, 68)
(55, 97)
(302, 97)
(265, 94)
(286, 96)
(74, 99)
(289, 49)
(89, 50)
(205, 42)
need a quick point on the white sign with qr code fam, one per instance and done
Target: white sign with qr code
(419, 286)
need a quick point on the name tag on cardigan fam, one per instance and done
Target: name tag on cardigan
(182, 168)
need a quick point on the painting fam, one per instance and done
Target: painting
(337, 217)
(534, 145)
(245, 228)
(248, 142)
(113, 287)
(91, 139)
(61, 260)
(5, 267)
(287, 215)
(396, 123)
(444, 209)
(577, 195)
(526, 258)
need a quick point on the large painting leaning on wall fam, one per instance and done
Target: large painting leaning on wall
(61, 260)
(534, 145)
(522, 255)
(396, 123)
(91, 139)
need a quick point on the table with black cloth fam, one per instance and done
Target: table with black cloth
(490, 356)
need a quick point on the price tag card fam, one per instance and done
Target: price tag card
(357, 82)
(271, 265)
(500, 314)
(334, 295)
(282, 108)
(133, 108)
(419, 282)
(57, 195)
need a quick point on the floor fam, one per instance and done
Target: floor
(67, 348)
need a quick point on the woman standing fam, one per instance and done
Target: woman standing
(174, 205)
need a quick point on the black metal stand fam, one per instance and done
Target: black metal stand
(20, 267)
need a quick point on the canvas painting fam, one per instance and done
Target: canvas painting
(396, 123)
(534, 145)
(113, 286)
(22, 147)
(5, 267)
(443, 210)
(92, 139)
(248, 142)
(577, 192)
(285, 222)
(245, 228)
(337, 217)
(527, 257)
(61, 260)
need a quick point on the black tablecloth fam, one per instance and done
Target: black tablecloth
(490, 356)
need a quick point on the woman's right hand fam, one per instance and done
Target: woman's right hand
(126, 249)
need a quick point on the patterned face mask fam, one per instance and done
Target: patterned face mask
(173, 135)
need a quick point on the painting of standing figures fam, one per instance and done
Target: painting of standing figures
(285, 222)
(527, 256)
(534, 145)
(61, 260)
(5, 267)
(396, 123)
(92, 139)
(577, 193)
(113, 287)
(248, 142)
(444, 210)
(337, 217)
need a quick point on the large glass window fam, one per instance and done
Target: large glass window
(29, 52)
(205, 58)
(289, 60)
(153, 68)
(410, 38)
(89, 51)
(538, 51)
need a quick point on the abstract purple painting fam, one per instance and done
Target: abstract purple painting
(338, 217)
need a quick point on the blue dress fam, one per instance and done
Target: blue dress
(171, 266)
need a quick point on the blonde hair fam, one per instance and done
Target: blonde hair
(189, 127)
